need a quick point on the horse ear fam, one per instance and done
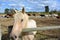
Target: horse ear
(15, 11)
(23, 10)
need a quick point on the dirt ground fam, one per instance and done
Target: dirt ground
(5, 22)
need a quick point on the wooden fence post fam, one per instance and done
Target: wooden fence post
(0, 32)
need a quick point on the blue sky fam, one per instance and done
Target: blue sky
(30, 5)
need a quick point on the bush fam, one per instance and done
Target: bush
(59, 13)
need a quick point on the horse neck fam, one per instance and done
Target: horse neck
(26, 20)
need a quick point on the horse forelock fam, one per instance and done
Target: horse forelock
(19, 16)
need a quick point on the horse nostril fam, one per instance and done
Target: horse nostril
(15, 36)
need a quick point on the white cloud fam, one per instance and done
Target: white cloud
(31, 4)
(28, 7)
(54, 5)
(21, 5)
(3, 0)
(48, 2)
(12, 4)
(3, 4)
(32, 1)
(45, 1)
(41, 5)
(16, 1)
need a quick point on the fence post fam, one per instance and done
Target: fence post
(0, 32)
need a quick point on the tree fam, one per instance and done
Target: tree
(59, 13)
(6, 11)
(11, 11)
(46, 8)
(55, 11)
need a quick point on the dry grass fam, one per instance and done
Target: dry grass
(40, 22)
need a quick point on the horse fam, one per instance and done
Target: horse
(21, 21)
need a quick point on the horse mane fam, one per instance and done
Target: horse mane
(20, 25)
(20, 13)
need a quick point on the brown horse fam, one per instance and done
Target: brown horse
(21, 21)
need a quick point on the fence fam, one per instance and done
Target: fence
(41, 28)
(37, 29)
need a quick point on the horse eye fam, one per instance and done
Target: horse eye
(21, 20)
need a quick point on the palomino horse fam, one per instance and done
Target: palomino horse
(21, 21)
